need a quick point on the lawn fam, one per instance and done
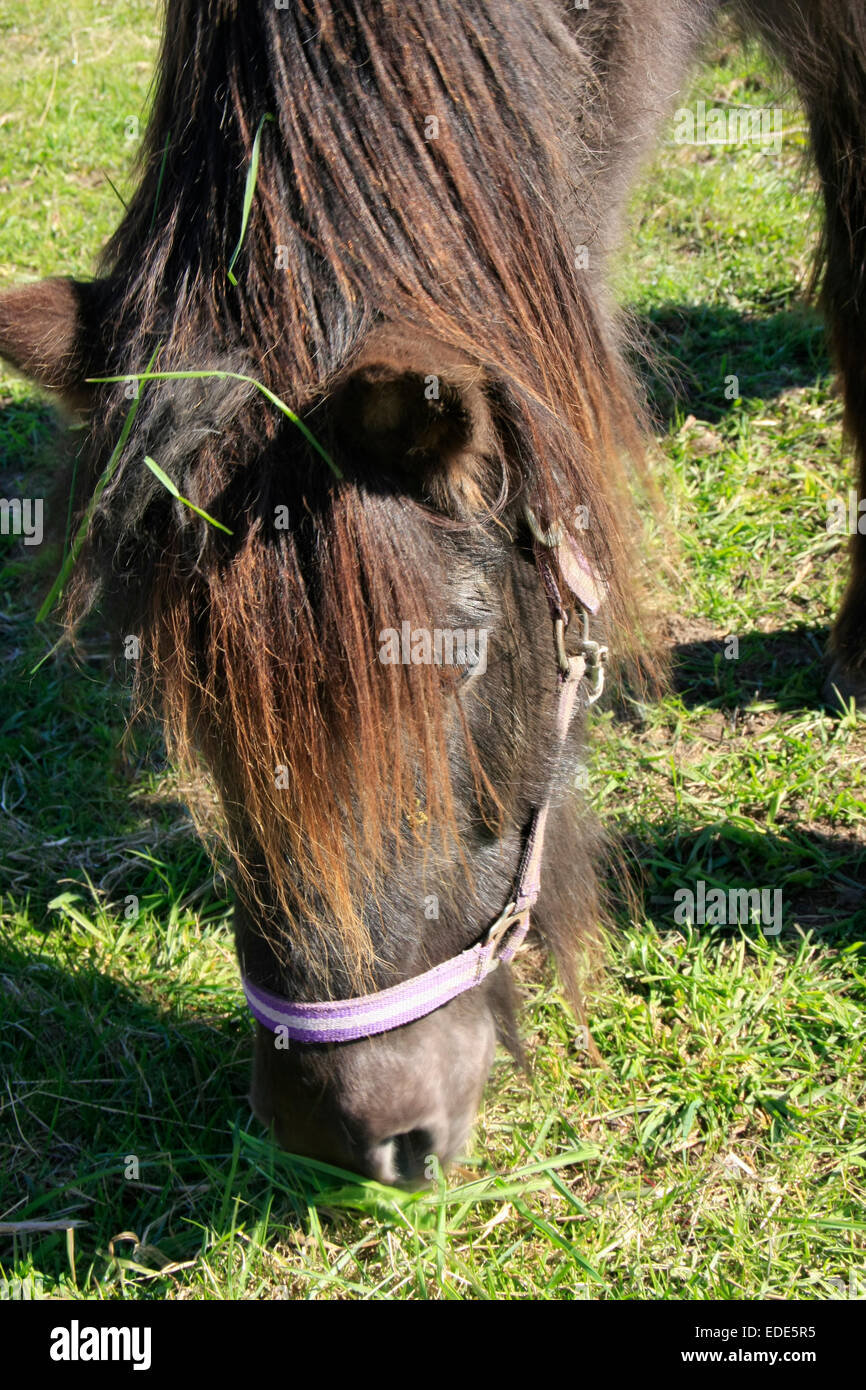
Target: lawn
(719, 1152)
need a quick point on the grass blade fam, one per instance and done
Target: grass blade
(107, 474)
(249, 193)
(170, 487)
(160, 180)
(232, 376)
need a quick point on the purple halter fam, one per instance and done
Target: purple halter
(347, 1020)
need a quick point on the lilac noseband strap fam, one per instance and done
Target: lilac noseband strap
(347, 1020)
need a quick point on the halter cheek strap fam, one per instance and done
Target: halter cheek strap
(348, 1020)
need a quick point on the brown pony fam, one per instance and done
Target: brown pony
(421, 284)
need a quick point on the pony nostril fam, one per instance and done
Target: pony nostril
(404, 1157)
(413, 1151)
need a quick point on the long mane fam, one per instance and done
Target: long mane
(420, 165)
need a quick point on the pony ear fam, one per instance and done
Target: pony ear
(417, 413)
(50, 331)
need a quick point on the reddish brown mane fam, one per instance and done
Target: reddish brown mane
(262, 649)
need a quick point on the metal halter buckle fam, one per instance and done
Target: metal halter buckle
(594, 654)
(507, 919)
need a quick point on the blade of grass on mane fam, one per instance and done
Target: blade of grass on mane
(231, 376)
(249, 191)
(107, 474)
(172, 488)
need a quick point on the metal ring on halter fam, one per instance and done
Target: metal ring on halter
(507, 919)
(548, 538)
(594, 653)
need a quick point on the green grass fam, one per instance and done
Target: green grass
(720, 1151)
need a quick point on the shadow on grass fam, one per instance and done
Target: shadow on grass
(129, 1118)
(820, 876)
(129, 1122)
(686, 352)
(29, 427)
(101, 1083)
(787, 666)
